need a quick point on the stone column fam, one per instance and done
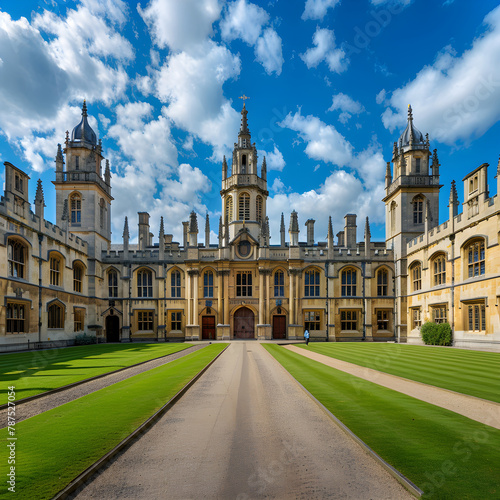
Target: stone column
(193, 328)
(261, 296)
(223, 328)
(291, 299)
(188, 298)
(267, 317)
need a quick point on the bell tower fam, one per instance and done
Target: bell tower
(83, 193)
(244, 193)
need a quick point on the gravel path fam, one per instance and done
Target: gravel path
(50, 401)
(245, 430)
(486, 412)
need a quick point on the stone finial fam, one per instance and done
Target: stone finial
(367, 228)
(264, 169)
(294, 222)
(329, 236)
(161, 236)
(395, 150)
(84, 108)
(282, 230)
(59, 155)
(388, 175)
(403, 165)
(193, 222)
(107, 173)
(126, 234)
(224, 168)
(427, 143)
(207, 231)
(65, 212)
(244, 123)
(39, 193)
(221, 235)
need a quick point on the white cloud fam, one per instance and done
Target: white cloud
(278, 186)
(191, 86)
(243, 20)
(274, 159)
(395, 3)
(324, 142)
(246, 21)
(324, 50)
(380, 98)
(346, 105)
(144, 142)
(180, 25)
(269, 52)
(458, 97)
(317, 9)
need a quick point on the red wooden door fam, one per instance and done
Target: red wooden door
(244, 324)
(208, 327)
(279, 327)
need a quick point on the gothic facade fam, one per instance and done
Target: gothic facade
(58, 280)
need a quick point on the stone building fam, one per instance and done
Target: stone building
(58, 280)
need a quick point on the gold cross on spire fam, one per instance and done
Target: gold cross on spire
(244, 97)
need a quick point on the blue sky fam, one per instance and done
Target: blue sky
(329, 82)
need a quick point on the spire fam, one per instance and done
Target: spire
(107, 173)
(410, 123)
(224, 168)
(367, 228)
(221, 236)
(84, 108)
(264, 169)
(329, 236)
(282, 230)
(435, 163)
(293, 230)
(207, 231)
(39, 193)
(403, 165)
(411, 136)
(395, 151)
(266, 231)
(193, 222)
(161, 236)
(367, 238)
(244, 123)
(410, 114)
(83, 131)
(427, 143)
(126, 234)
(498, 167)
(59, 156)
(388, 176)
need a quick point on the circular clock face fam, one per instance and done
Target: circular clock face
(244, 248)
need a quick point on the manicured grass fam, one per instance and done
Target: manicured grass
(443, 453)
(55, 446)
(469, 372)
(40, 371)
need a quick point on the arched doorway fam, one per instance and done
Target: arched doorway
(244, 324)
(279, 326)
(112, 328)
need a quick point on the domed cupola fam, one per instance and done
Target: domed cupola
(83, 131)
(411, 138)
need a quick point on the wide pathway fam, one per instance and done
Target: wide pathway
(245, 430)
(481, 410)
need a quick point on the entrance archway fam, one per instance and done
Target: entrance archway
(112, 329)
(244, 324)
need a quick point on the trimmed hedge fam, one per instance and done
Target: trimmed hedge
(84, 339)
(436, 334)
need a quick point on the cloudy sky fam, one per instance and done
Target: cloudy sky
(329, 82)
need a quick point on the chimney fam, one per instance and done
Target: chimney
(193, 229)
(143, 230)
(350, 230)
(293, 230)
(185, 229)
(310, 232)
(340, 238)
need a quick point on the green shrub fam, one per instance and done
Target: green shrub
(436, 334)
(84, 339)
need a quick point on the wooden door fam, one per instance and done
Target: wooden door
(112, 329)
(244, 324)
(208, 327)
(279, 327)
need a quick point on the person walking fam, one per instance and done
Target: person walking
(306, 336)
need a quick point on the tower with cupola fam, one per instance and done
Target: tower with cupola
(83, 192)
(411, 203)
(244, 192)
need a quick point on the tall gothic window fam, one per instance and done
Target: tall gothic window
(311, 283)
(439, 270)
(175, 284)
(393, 216)
(258, 208)
(78, 272)
(76, 208)
(244, 207)
(112, 283)
(348, 283)
(144, 283)
(55, 265)
(418, 210)
(416, 277)
(279, 284)
(16, 318)
(55, 316)
(208, 284)
(16, 256)
(102, 211)
(229, 209)
(382, 278)
(475, 259)
(243, 164)
(417, 165)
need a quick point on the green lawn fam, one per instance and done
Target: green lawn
(40, 371)
(469, 372)
(55, 446)
(443, 453)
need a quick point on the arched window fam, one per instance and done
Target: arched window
(208, 284)
(175, 283)
(393, 217)
(244, 207)
(76, 208)
(16, 256)
(416, 277)
(17, 319)
(311, 283)
(112, 283)
(382, 278)
(258, 209)
(475, 258)
(348, 283)
(229, 209)
(78, 272)
(55, 265)
(55, 316)
(418, 210)
(102, 209)
(144, 283)
(439, 270)
(279, 284)
(243, 164)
